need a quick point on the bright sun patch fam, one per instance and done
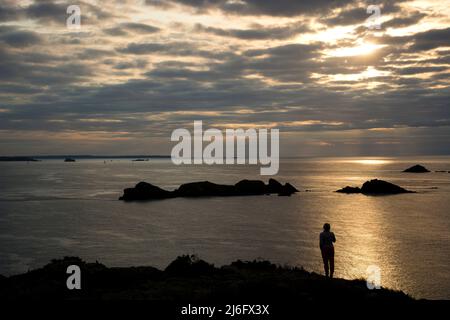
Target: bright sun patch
(371, 161)
(362, 49)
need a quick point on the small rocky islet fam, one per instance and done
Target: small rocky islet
(381, 187)
(146, 191)
(375, 187)
(417, 169)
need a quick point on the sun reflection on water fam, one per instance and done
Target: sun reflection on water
(364, 241)
(371, 161)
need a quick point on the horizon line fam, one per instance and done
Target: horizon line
(169, 156)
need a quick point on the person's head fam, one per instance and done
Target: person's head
(326, 227)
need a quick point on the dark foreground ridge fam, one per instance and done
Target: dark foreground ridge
(417, 169)
(190, 279)
(147, 191)
(375, 187)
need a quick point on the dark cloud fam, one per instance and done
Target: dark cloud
(352, 16)
(8, 13)
(19, 88)
(171, 48)
(137, 28)
(47, 11)
(148, 48)
(417, 70)
(20, 38)
(358, 15)
(257, 32)
(404, 21)
(94, 54)
(116, 32)
(140, 27)
(422, 41)
(50, 11)
(164, 4)
(135, 64)
(40, 70)
(287, 8)
(431, 39)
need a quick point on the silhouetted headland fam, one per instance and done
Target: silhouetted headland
(80, 157)
(190, 279)
(417, 169)
(147, 191)
(17, 159)
(375, 187)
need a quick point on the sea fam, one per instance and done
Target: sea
(51, 209)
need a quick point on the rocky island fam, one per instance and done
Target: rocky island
(417, 169)
(375, 187)
(147, 191)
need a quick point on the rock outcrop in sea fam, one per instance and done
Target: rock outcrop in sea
(375, 187)
(417, 169)
(147, 191)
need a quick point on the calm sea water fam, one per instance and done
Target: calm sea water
(51, 209)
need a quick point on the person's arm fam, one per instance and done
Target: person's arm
(333, 237)
(320, 241)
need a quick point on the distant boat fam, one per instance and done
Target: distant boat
(69, 160)
(140, 160)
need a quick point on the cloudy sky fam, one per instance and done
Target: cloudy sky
(137, 69)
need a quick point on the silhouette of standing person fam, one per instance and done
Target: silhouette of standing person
(326, 247)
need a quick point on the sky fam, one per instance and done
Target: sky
(319, 71)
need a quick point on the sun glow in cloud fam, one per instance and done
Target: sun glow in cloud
(369, 73)
(361, 49)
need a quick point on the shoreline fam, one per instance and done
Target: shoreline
(188, 278)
